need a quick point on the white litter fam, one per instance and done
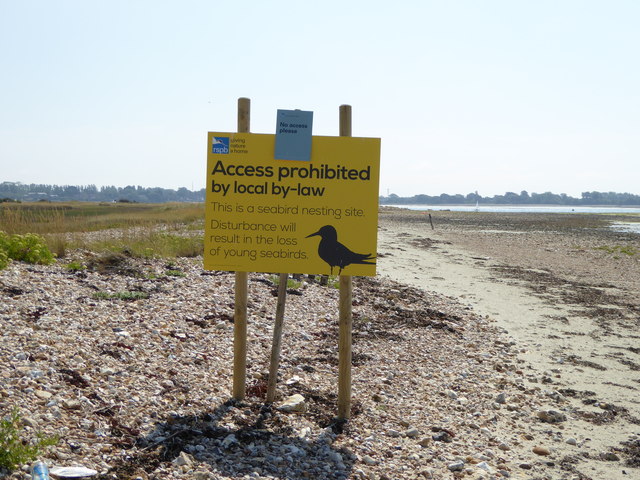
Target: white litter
(72, 472)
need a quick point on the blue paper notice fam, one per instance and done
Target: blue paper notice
(293, 135)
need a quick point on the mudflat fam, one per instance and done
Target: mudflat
(566, 288)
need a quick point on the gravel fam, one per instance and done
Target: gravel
(138, 386)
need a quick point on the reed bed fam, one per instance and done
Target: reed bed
(142, 230)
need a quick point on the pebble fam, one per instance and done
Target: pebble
(610, 457)
(425, 442)
(293, 380)
(43, 394)
(456, 466)
(367, 460)
(183, 459)
(72, 404)
(294, 403)
(442, 437)
(538, 450)
(412, 432)
(551, 416)
(228, 441)
(29, 422)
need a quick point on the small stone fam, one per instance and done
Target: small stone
(484, 466)
(183, 459)
(29, 422)
(293, 380)
(571, 441)
(442, 437)
(167, 384)
(501, 398)
(335, 456)
(456, 466)
(544, 451)
(428, 473)
(294, 403)
(551, 416)
(72, 404)
(610, 457)
(43, 394)
(425, 442)
(525, 466)
(451, 394)
(229, 440)
(367, 460)
(412, 432)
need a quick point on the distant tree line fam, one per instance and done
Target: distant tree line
(16, 191)
(22, 192)
(524, 198)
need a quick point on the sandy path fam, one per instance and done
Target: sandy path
(566, 347)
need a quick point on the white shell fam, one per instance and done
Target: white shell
(72, 472)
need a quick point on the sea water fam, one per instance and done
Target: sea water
(521, 208)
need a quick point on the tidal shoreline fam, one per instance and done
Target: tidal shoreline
(564, 287)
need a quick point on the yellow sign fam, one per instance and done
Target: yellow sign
(283, 216)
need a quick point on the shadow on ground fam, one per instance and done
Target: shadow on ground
(235, 439)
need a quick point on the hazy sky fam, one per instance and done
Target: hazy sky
(489, 95)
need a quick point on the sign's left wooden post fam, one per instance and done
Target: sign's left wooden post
(241, 291)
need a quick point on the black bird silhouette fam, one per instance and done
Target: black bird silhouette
(335, 253)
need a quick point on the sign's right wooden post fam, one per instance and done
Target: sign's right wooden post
(345, 322)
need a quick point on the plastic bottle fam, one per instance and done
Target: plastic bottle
(39, 471)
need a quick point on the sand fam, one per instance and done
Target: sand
(564, 286)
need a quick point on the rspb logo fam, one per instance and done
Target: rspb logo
(220, 145)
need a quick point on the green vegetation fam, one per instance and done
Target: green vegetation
(52, 218)
(146, 243)
(75, 266)
(27, 248)
(15, 451)
(143, 230)
(4, 260)
(129, 296)
(615, 250)
(291, 283)
(174, 273)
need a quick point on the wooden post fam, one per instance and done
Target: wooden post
(277, 338)
(345, 322)
(241, 292)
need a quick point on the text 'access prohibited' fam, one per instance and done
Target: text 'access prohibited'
(281, 216)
